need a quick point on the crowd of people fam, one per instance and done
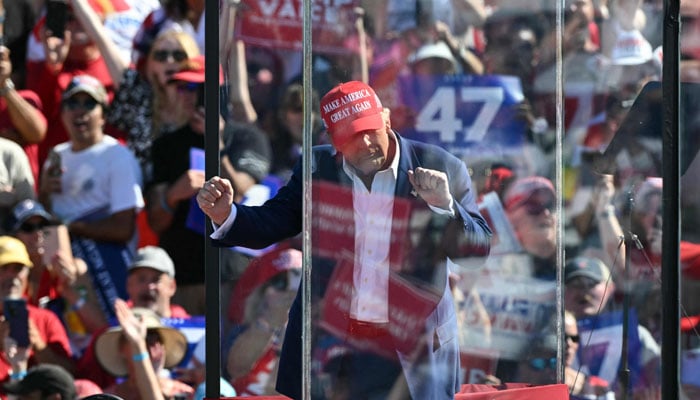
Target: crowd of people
(103, 196)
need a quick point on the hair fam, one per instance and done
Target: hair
(189, 45)
(175, 8)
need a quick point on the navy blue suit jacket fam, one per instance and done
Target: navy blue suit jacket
(281, 217)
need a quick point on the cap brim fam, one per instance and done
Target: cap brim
(344, 132)
(572, 275)
(76, 90)
(187, 76)
(41, 214)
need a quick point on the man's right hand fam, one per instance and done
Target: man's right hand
(215, 199)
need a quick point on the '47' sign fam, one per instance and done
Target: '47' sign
(460, 111)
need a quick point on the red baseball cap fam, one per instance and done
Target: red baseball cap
(260, 270)
(193, 72)
(350, 108)
(523, 189)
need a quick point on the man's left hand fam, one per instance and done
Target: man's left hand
(431, 186)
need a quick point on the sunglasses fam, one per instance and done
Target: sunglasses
(537, 204)
(74, 104)
(280, 282)
(188, 87)
(582, 283)
(31, 228)
(288, 280)
(573, 338)
(539, 364)
(163, 55)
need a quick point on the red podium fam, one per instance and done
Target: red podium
(513, 391)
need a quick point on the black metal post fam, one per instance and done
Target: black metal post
(670, 271)
(211, 149)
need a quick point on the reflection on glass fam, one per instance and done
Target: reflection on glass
(477, 79)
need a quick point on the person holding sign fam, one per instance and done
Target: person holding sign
(377, 181)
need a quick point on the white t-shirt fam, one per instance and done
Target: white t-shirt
(99, 181)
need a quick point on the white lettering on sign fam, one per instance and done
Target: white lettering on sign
(439, 114)
(325, 11)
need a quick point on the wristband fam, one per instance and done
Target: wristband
(78, 304)
(17, 376)
(164, 204)
(140, 356)
(5, 89)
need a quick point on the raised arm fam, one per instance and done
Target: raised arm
(135, 332)
(28, 122)
(91, 22)
(234, 60)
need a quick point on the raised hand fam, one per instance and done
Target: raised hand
(215, 199)
(133, 327)
(431, 186)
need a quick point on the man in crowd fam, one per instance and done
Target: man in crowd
(93, 183)
(588, 295)
(151, 282)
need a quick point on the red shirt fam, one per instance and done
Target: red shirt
(32, 150)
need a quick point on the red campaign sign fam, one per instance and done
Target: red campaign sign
(477, 365)
(333, 227)
(409, 306)
(333, 223)
(278, 24)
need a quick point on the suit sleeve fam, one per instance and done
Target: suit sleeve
(476, 240)
(278, 219)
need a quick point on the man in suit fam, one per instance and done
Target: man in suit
(379, 171)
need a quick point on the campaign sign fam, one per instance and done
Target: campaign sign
(195, 216)
(194, 330)
(333, 222)
(409, 308)
(517, 309)
(457, 112)
(278, 24)
(601, 346)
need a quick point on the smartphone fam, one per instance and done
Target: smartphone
(17, 316)
(56, 17)
(56, 240)
(54, 165)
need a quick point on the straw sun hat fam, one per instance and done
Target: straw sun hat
(107, 347)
